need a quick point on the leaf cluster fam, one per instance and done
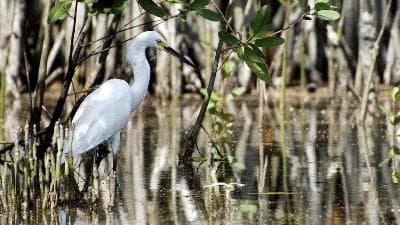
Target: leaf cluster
(197, 6)
(61, 8)
(394, 119)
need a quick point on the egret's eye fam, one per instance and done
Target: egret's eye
(158, 41)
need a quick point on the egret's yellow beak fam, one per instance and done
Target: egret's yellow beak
(164, 46)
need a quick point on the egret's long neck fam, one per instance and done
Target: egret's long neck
(136, 57)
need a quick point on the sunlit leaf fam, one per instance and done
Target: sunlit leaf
(152, 7)
(259, 23)
(253, 54)
(393, 119)
(322, 1)
(207, 45)
(228, 38)
(59, 11)
(240, 52)
(256, 63)
(396, 94)
(269, 42)
(209, 14)
(396, 176)
(328, 15)
(235, 92)
(257, 50)
(198, 4)
(214, 96)
(238, 91)
(228, 68)
(394, 150)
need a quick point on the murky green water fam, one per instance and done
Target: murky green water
(331, 176)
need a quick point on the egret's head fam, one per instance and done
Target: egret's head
(149, 39)
(152, 39)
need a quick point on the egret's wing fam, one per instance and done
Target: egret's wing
(103, 113)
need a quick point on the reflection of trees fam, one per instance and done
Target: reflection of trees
(332, 168)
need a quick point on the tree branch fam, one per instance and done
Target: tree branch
(191, 136)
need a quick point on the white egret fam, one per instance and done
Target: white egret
(105, 111)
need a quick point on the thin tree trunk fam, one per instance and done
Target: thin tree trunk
(15, 59)
(39, 90)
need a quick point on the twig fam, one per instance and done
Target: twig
(212, 142)
(158, 22)
(93, 53)
(71, 45)
(364, 102)
(301, 18)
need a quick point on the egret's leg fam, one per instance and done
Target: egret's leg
(115, 140)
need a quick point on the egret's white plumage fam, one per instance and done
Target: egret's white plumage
(107, 110)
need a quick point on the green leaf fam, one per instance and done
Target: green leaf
(240, 52)
(322, 6)
(394, 150)
(238, 91)
(393, 119)
(59, 11)
(396, 94)
(269, 42)
(198, 4)
(214, 96)
(257, 64)
(207, 45)
(228, 68)
(104, 7)
(259, 24)
(396, 176)
(152, 8)
(328, 15)
(228, 38)
(257, 51)
(209, 14)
